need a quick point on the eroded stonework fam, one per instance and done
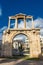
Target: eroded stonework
(33, 35)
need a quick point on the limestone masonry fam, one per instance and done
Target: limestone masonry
(33, 35)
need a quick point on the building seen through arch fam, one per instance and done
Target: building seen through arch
(21, 45)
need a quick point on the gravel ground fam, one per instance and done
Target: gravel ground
(20, 62)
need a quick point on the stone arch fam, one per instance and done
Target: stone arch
(32, 34)
(18, 34)
(28, 34)
(25, 43)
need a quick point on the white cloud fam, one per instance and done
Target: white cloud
(20, 37)
(12, 24)
(3, 28)
(28, 24)
(38, 22)
(21, 24)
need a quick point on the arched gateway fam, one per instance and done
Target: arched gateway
(32, 34)
(20, 45)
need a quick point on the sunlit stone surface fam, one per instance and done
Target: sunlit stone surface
(33, 35)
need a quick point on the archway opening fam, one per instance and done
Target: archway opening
(20, 45)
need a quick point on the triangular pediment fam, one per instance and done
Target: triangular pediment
(20, 14)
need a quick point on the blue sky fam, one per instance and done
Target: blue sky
(12, 7)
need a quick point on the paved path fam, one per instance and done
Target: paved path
(19, 62)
